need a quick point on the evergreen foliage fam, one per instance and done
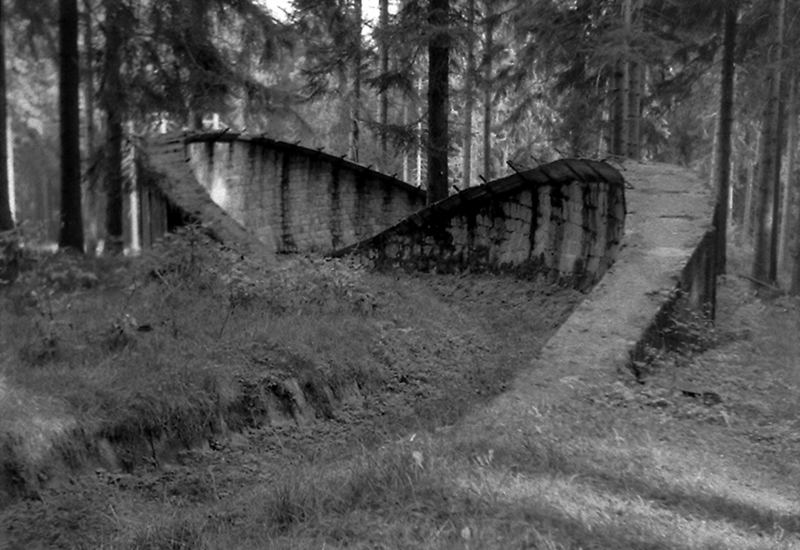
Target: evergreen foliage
(527, 82)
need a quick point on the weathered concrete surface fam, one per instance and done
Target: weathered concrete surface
(169, 158)
(667, 229)
(290, 198)
(563, 220)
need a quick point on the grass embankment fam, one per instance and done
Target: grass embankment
(411, 460)
(158, 349)
(120, 360)
(649, 466)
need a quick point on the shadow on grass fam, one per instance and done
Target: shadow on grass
(545, 455)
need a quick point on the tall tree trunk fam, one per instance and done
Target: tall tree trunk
(794, 286)
(788, 188)
(620, 124)
(723, 165)
(636, 86)
(469, 97)
(383, 115)
(88, 41)
(627, 73)
(487, 91)
(747, 216)
(418, 113)
(112, 100)
(438, 99)
(780, 126)
(763, 262)
(635, 112)
(405, 167)
(355, 108)
(6, 219)
(71, 230)
(91, 202)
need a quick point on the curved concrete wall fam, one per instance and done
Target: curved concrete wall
(565, 218)
(297, 199)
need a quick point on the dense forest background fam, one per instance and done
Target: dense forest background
(445, 94)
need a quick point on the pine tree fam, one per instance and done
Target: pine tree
(113, 102)
(469, 94)
(6, 219)
(71, 232)
(764, 261)
(724, 136)
(438, 99)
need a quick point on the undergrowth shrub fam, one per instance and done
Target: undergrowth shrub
(190, 259)
(677, 334)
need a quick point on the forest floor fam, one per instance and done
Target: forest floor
(703, 454)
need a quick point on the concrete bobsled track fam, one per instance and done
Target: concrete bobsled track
(565, 217)
(668, 245)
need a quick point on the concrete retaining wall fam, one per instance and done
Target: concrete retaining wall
(293, 199)
(565, 219)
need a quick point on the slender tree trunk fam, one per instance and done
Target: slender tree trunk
(383, 115)
(780, 125)
(794, 286)
(723, 165)
(6, 219)
(487, 92)
(88, 39)
(418, 112)
(627, 75)
(747, 217)
(635, 108)
(788, 188)
(71, 230)
(90, 192)
(763, 262)
(469, 95)
(438, 99)
(355, 108)
(406, 172)
(620, 124)
(113, 105)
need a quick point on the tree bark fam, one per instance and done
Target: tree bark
(71, 229)
(635, 112)
(487, 92)
(383, 115)
(418, 114)
(355, 108)
(620, 123)
(91, 203)
(747, 216)
(6, 219)
(780, 127)
(723, 165)
(788, 188)
(113, 104)
(763, 261)
(469, 97)
(438, 99)
(794, 286)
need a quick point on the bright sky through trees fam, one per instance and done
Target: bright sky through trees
(278, 8)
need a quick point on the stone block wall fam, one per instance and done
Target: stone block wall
(297, 199)
(565, 219)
